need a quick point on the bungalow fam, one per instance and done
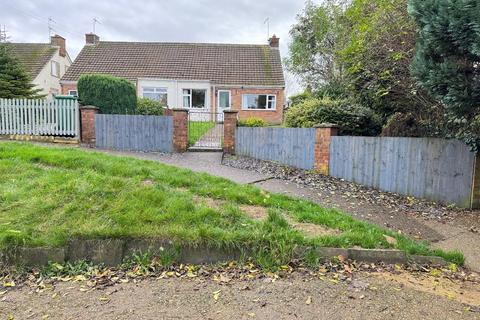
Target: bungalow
(201, 77)
(45, 62)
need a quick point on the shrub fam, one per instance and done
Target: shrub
(252, 122)
(149, 107)
(112, 95)
(352, 118)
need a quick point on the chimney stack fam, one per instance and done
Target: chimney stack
(91, 38)
(59, 41)
(274, 42)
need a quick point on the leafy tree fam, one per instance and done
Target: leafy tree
(314, 39)
(377, 50)
(447, 60)
(15, 82)
(111, 94)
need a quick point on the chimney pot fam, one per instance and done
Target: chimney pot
(274, 42)
(60, 42)
(91, 38)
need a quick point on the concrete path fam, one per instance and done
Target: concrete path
(212, 139)
(445, 235)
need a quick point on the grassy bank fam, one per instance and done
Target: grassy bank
(49, 195)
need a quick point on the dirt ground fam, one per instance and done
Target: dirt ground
(297, 296)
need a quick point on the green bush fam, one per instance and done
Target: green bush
(352, 118)
(149, 107)
(112, 95)
(252, 122)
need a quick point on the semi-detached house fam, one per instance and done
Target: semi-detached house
(202, 77)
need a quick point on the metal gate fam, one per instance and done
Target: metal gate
(205, 131)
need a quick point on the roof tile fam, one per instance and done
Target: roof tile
(231, 64)
(33, 56)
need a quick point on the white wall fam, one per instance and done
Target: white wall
(175, 90)
(46, 81)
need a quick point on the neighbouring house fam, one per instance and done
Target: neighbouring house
(203, 77)
(46, 63)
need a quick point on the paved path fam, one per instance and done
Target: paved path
(212, 139)
(445, 235)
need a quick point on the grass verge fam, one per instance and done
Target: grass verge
(49, 195)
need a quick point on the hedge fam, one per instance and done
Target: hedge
(111, 94)
(352, 118)
(149, 107)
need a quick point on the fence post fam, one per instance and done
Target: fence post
(476, 184)
(229, 128)
(180, 129)
(87, 124)
(323, 135)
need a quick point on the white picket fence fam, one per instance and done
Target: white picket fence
(39, 117)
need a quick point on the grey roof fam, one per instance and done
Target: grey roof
(33, 56)
(232, 64)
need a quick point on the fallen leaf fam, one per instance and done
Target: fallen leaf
(216, 295)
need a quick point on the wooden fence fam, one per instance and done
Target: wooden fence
(39, 117)
(435, 169)
(134, 133)
(294, 147)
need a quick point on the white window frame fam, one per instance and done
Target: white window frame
(155, 90)
(229, 99)
(56, 68)
(271, 98)
(190, 98)
(70, 92)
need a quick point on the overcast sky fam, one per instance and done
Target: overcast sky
(239, 21)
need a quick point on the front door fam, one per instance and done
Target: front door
(223, 103)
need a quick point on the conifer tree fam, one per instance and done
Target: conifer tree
(447, 60)
(15, 82)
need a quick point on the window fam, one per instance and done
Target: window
(55, 68)
(223, 99)
(72, 93)
(259, 101)
(194, 98)
(158, 94)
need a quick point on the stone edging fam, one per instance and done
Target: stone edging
(111, 252)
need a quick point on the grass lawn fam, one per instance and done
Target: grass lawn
(196, 129)
(48, 195)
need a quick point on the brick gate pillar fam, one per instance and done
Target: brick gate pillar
(229, 128)
(180, 129)
(87, 124)
(324, 133)
(476, 184)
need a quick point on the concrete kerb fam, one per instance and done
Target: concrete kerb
(112, 252)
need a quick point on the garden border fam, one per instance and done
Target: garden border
(112, 252)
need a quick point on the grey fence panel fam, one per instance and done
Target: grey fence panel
(290, 146)
(435, 169)
(134, 133)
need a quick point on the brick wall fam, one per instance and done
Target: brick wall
(271, 117)
(229, 128)
(324, 133)
(67, 87)
(180, 130)
(87, 123)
